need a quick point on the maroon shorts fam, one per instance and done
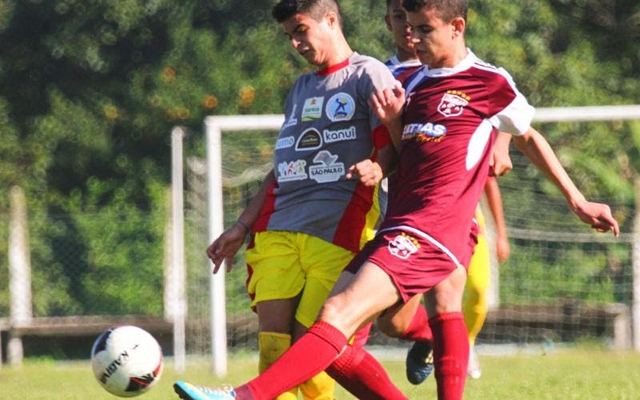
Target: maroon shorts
(414, 263)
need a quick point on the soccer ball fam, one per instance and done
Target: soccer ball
(126, 360)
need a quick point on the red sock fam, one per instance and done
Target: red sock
(362, 375)
(450, 354)
(419, 329)
(308, 356)
(362, 336)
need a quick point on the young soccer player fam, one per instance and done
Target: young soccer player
(444, 131)
(411, 324)
(308, 218)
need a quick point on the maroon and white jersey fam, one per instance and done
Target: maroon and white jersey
(450, 121)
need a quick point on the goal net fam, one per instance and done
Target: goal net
(562, 284)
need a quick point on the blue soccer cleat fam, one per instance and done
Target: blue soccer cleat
(187, 391)
(419, 362)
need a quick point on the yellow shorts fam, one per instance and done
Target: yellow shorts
(285, 264)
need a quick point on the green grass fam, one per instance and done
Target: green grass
(562, 375)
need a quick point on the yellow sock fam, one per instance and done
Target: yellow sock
(272, 345)
(320, 387)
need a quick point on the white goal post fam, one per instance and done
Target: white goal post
(215, 125)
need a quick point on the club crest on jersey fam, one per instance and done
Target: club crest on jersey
(312, 109)
(326, 169)
(340, 107)
(403, 245)
(452, 103)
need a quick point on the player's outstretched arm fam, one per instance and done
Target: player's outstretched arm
(225, 247)
(539, 152)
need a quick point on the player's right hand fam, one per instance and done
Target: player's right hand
(226, 246)
(388, 103)
(368, 172)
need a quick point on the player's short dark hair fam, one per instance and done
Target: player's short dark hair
(446, 9)
(316, 9)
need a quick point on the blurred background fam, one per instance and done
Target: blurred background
(90, 91)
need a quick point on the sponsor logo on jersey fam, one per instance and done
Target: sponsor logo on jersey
(339, 135)
(326, 169)
(292, 120)
(452, 103)
(340, 107)
(428, 132)
(285, 142)
(292, 171)
(312, 109)
(403, 246)
(309, 140)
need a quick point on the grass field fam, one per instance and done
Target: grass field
(561, 375)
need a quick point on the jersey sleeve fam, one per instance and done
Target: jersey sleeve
(513, 112)
(381, 137)
(376, 77)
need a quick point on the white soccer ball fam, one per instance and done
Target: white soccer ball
(126, 360)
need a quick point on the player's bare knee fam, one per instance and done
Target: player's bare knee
(333, 310)
(445, 300)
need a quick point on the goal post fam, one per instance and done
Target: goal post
(215, 126)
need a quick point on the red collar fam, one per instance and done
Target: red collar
(333, 68)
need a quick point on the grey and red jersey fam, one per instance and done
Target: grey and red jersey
(328, 127)
(450, 121)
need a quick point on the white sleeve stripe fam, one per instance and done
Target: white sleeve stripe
(515, 118)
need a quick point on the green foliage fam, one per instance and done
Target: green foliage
(540, 272)
(91, 90)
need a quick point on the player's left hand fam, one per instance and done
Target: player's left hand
(598, 216)
(503, 249)
(368, 172)
(500, 161)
